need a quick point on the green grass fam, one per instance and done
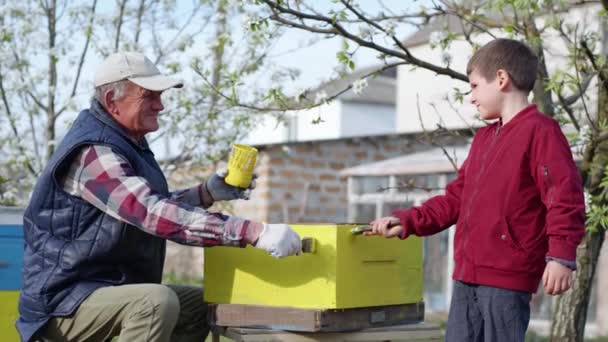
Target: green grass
(533, 337)
(171, 278)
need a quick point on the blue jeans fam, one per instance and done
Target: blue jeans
(483, 313)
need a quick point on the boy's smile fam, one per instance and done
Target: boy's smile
(485, 96)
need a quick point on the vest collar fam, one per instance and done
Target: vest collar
(102, 115)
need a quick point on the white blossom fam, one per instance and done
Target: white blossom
(359, 86)
(321, 97)
(9, 196)
(365, 32)
(299, 94)
(21, 158)
(436, 37)
(446, 57)
(390, 28)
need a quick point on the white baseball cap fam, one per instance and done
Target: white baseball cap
(136, 68)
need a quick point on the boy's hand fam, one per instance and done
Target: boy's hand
(387, 226)
(557, 278)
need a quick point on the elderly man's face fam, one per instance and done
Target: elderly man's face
(138, 110)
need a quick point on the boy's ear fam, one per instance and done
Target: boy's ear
(503, 77)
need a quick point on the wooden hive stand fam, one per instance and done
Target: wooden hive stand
(406, 332)
(263, 323)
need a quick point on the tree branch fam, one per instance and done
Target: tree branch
(119, 21)
(288, 106)
(340, 30)
(140, 14)
(568, 110)
(162, 51)
(601, 72)
(11, 121)
(89, 34)
(570, 100)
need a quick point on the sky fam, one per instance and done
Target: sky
(319, 60)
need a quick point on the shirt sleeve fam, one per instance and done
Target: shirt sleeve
(106, 180)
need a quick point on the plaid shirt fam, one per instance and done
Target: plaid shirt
(106, 180)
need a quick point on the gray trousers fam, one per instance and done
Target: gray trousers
(487, 314)
(133, 313)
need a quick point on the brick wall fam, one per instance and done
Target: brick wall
(300, 182)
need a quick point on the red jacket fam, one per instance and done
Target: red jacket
(516, 199)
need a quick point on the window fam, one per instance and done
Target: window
(450, 177)
(408, 183)
(388, 207)
(369, 184)
(364, 213)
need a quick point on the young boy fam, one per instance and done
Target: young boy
(517, 203)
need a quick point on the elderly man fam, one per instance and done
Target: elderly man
(96, 225)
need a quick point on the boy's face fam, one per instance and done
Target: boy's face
(486, 96)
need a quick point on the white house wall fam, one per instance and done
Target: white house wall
(360, 119)
(423, 88)
(267, 131)
(328, 128)
(421, 94)
(300, 126)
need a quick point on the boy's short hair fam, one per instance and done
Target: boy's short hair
(513, 56)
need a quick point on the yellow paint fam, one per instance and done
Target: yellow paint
(8, 316)
(345, 271)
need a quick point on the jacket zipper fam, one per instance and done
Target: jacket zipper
(483, 163)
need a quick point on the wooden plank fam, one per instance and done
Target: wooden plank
(408, 332)
(314, 320)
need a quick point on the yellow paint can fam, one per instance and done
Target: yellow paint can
(240, 165)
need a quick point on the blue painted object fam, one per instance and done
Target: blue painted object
(11, 248)
(11, 256)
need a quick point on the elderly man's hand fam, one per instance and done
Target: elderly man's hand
(279, 240)
(220, 191)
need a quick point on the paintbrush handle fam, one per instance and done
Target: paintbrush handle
(366, 228)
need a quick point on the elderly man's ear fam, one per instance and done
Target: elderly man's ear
(109, 103)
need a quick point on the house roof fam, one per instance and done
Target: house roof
(431, 161)
(439, 23)
(455, 25)
(381, 88)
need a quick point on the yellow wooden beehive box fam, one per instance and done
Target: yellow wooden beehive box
(8, 316)
(344, 271)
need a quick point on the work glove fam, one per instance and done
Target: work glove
(220, 191)
(279, 240)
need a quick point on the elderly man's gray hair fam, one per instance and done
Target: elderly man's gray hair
(119, 89)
